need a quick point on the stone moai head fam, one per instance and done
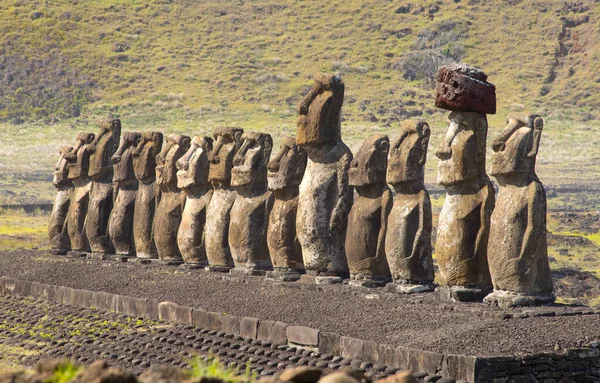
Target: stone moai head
(408, 153)
(61, 169)
(227, 143)
(79, 157)
(250, 161)
(319, 112)
(144, 155)
(370, 162)
(515, 148)
(287, 168)
(193, 167)
(123, 160)
(166, 162)
(103, 147)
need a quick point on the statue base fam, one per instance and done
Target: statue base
(284, 276)
(408, 288)
(316, 280)
(461, 293)
(245, 272)
(166, 262)
(507, 299)
(368, 282)
(218, 269)
(77, 254)
(58, 252)
(192, 266)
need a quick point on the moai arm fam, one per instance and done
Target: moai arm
(387, 202)
(487, 207)
(536, 222)
(424, 220)
(345, 197)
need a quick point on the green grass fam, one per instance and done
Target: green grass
(19, 230)
(65, 372)
(212, 368)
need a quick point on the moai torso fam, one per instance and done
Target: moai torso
(325, 198)
(57, 229)
(250, 211)
(78, 165)
(172, 200)
(101, 195)
(144, 167)
(192, 178)
(216, 231)
(365, 237)
(517, 249)
(409, 224)
(284, 175)
(120, 224)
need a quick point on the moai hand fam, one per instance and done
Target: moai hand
(57, 228)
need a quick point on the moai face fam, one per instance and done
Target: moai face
(61, 169)
(370, 162)
(166, 161)
(227, 142)
(79, 157)
(287, 168)
(122, 159)
(250, 161)
(319, 112)
(515, 148)
(408, 153)
(194, 165)
(144, 155)
(462, 152)
(104, 146)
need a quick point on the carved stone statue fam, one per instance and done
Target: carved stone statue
(57, 229)
(464, 222)
(172, 200)
(192, 178)
(101, 195)
(517, 248)
(409, 224)
(78, 167)
(216, 231)
(250, 211)
(325, 198)
(365, 237)
(144, 167)
(120, 224)
(284, 175)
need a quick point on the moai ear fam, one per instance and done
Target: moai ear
(481, 135)
(91, 138)
(384, 149)
(237, 136)
(537, 126)
(425, 134)
(185, 143)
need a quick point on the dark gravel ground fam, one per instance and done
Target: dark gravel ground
(420, 322)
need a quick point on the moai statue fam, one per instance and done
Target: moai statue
(517, 249)
(172, 200)
(464, 222)
(325, 198)
(146, 200)
(250, 212)
(284, 175)
(79, 163)
(365, 236)
(101, 150)
(216, 230)
(192, 178)
(57, 229)
(408, 238)
(120, 223)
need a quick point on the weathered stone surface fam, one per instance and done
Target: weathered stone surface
(216, 231)
(409, 224)
(172, 199)
(367, 221)
(303, 335)
(301, 375)
(325, 198)
(250, 211)
(207, 319)
(120, 223)
(272, 331)
(144, 166)
(171, 312)
(338, 377)
(192, 178)
(58, 232)
(329, 343)
(101, 194)
(464, 222)
(351, 348)
(284, 176)
(518, 249)
(462, 88)
(249, 327)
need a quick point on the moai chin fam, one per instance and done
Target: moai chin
(120, 224)
(146, 200)
(216, 232)
(101, 195)
(192, 178)
(517, 248)
(172, 200)
(284, 176)
(325, 198)
(57, 229)
(409, 224)
(250, 211)
(78, 166)
(464, 222)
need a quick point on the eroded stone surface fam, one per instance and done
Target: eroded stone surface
(57, 228)
(462, 88)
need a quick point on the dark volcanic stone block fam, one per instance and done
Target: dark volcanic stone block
(230, 324)
(206, 319)
(249, 327)
(462, 88)
(303, 335)
(351, 348)
(272, 331)
(329, 343)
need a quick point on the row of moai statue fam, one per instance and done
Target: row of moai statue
(314, 211)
